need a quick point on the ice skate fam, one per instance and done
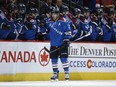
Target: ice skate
(67, 77)
(55, 76)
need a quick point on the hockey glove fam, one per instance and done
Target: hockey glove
(6, 26)
(42, 23)
(108, 27)
(19, 20)
(66, 43)
(29, 26)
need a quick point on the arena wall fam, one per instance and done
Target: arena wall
(28, 61)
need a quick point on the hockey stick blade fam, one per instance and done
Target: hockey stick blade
(46, 49)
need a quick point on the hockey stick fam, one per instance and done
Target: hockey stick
(53, 50)
(70, 43)
(88, 34)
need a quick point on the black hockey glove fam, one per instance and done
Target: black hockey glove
(42, 23)
(108, 27)
(19, 20)
(66, 43)
(29, 26)
(6, 26)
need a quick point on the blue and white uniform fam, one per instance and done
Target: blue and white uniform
(59, 31)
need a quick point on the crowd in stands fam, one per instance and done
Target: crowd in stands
(24, 19)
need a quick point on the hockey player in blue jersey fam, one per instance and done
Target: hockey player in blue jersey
(77, 33)
(107, 33)
(67, 17)
(60, 33)
(20, 19)
(7, 31)
(112, 23)
(94, 27)
(113, 29)
(86, 13)
(30, 28)
(85, 27)
(43, 19)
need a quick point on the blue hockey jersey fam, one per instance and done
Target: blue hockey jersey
(85, 27)
(58, 30)
(29, 33)
(107, 34)
(4, 33)
(113, 29)
(77, 32)
(94, 33)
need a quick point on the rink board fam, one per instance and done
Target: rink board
(28, 61)
(46, 76)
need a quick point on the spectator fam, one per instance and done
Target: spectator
(104, 3)
(90, 4)
(31, 4)
(59, 5)
(80, 2)
(115, 4)
(46, 5)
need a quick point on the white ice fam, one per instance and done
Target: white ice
(80, 83)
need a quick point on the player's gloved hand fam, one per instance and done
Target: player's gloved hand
(29, 26)
(42, 23)
(19, 20)
(66, 43)
(108, 27)
(6, 26)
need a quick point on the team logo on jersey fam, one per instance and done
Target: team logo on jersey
(44, 57)
(59, 24)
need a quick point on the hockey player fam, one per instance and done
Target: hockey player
(99, 15)
(86, 13)
(60, 33)
(42, 21)
(66, 16)
(77, 32)
(85, 27)
(112, 23)
(113, 28)
(8, 30)
(94, 26)
(107, 33)
(30, 28)
(20, 19)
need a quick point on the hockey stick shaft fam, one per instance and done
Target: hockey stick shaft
(63, 46)
(81, 37)
(53, 50)
(88, 34)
